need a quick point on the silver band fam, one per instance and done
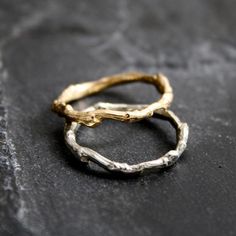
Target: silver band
(86, 154)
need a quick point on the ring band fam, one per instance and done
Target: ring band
(95, 117)
(86, 154)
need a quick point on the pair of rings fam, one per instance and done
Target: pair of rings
(95, 114)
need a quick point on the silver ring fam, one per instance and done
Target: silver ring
(86, 154)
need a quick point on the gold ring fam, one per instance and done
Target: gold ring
(93, 118)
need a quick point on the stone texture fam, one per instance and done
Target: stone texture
(46, 45)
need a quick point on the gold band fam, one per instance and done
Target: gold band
(93, 118)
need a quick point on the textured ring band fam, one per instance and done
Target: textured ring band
(86, 154)
(95, 117)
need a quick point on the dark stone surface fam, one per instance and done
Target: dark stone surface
(46, 45)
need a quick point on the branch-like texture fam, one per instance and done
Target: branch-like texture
(86, 154)
(95, 117)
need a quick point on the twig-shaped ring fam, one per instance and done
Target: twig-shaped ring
(95, 117)
(86, 154)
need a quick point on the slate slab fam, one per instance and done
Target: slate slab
(45, 46)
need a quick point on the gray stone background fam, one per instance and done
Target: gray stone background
(46, 45)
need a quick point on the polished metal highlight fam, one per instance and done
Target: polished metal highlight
(86, 154)
(95, 117)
